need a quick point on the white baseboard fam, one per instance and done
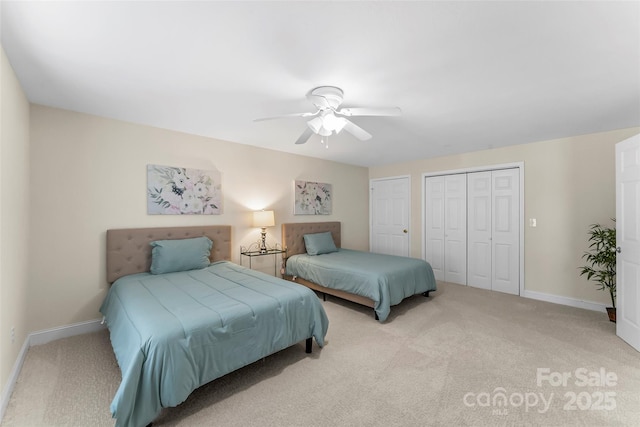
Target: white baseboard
(13, 378)
(48, 335)
(572, 302)
(38, 338)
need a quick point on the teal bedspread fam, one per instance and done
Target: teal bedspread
(174, 332)
(385, 279)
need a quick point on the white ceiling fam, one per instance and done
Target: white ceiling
(467, 75)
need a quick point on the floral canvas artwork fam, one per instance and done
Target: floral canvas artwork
(182, 191)
(312, 198)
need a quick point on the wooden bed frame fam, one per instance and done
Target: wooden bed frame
(293, 243)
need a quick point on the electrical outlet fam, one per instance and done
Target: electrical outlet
(13, 334)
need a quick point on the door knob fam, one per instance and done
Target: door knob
(405, 231)
(619, 249)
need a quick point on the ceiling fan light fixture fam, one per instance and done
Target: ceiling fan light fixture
(333, 123)
(315, 124)
(324, 131)
(319, 126)
(342, 122)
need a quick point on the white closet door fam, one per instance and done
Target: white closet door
(434, 211)
(473, 228)
(455, 234)
(506, 231)
(479, 272)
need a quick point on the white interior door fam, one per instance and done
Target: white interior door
(506, 231)
(628, 240)
(493, 230)
(434, 227)
(390, 216)
(479, 222)
(455, 233)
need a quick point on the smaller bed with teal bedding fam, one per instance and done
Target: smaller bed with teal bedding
(315, 259)
(181, 315)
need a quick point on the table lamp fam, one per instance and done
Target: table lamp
(263, 219)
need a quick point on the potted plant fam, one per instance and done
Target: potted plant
(601, 258)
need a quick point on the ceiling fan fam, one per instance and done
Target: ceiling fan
(328, 119)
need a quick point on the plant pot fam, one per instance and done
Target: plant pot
(611, 311)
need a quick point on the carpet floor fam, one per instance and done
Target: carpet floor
(462, 357)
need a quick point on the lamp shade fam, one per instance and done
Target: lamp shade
(263, 219)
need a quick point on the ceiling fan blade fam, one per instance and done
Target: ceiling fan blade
(390, 111)
(356, 130)
(284, 116)
(305, 136)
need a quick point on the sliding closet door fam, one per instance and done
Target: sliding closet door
(480, 249)
(506, 231)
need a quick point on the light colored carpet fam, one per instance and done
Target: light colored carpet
(443, 360)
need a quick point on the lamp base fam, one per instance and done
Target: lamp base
(263, 243)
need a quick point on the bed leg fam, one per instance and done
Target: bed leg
(308, 345)
(376, 315)
(426, 294)
(324, 297)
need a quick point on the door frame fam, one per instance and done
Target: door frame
(388, 178)
(514, 165)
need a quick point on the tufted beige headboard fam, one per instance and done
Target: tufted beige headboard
(129, 252)
(293, 234)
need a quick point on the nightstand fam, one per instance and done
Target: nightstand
(245, 252)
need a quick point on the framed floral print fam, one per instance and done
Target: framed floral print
(312, 198)
(182, 191)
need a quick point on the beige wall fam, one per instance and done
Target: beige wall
(14, 216)
(89, 175)
(569, 184)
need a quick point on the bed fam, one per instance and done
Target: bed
(374, 280)
(173, 331)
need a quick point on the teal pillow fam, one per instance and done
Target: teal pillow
(319, 243)
(180, 255)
